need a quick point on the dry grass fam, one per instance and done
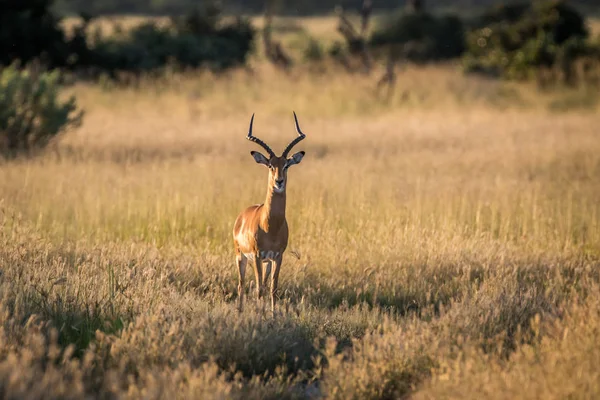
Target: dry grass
(594, 26)
(447, 243)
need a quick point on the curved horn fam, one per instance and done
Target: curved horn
(295, 141)
(257, 140)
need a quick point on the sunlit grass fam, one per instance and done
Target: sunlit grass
(444, 241)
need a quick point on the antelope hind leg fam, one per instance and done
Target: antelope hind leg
(266, 272)
(241, 262)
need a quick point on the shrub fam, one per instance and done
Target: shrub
(512, 41)
(30, 31)
(31, 113)
(551, 16)
(197, 39)
(220, 45)
(149, 47)
(431, 37)
(314, 51)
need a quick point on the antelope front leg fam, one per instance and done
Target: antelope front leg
(258, 263)
(274, 280)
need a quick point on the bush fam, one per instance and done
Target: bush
(197, 39)
(513, 41)
(149, 47)
(30, 31)
(552, 16)
(431, 37)
(201, 38)
(314, 51)
(30, 111)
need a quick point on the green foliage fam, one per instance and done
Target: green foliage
(551, 16)
(314, 51)
(31, 113)
(30, 31)
(513, 41)
(149, 47)
(429, 37)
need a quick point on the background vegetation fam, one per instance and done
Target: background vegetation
(290, 7)
(445, 234)
(31, 30)
(514, 41)
(31, 111)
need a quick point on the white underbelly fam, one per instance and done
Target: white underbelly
(266, 255)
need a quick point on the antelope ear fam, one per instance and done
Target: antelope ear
(259, 158)
(295, 159)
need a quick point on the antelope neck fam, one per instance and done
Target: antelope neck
(273, 210)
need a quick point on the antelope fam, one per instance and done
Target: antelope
(260, 232)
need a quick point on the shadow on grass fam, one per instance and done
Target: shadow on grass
(75, 321)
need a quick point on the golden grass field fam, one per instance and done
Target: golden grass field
(444, 242)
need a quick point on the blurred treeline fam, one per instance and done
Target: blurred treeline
(30, 30)
(513, 41)
(288, 7)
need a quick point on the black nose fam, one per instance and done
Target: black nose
(279, 182)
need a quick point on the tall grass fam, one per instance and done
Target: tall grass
(447, 245)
